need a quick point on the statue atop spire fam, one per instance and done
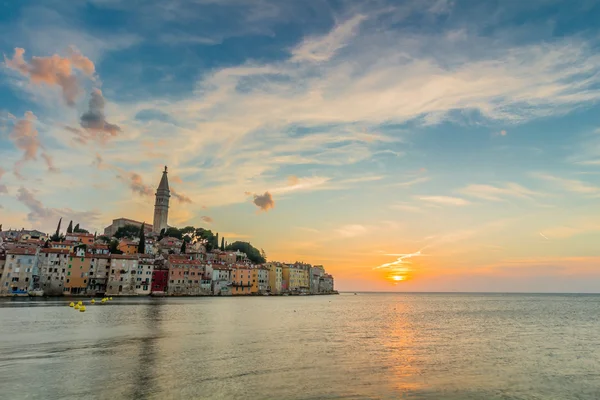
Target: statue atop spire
(161, 206)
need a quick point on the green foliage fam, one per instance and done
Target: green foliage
(161, 234)
(222, 243)
(252, 252)
(104, 238)
(173, 232)
(47, 244)
(113, 247)
(70, 227)
(187, 230)
(183, 247)
(128, 231)
(142, 235)
(77, 229)
(56, 236)
(205, 237)
(216, 241)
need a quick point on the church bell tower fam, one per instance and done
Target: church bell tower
(161, 206)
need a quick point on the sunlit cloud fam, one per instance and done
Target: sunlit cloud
(444, 200)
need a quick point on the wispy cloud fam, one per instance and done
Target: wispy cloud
(444, 200)
(499, 193)
(569, 185)
(352, 230)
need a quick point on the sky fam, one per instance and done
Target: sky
(418, 145)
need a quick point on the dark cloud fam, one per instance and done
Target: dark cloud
(136, 183)
(94, 120)
(54, 70)
(180, 197)
(264, 201)
(207, 219)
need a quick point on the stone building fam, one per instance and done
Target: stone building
(53, 265)
(161, 206)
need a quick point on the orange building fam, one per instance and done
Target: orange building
(78, 272)
(85, 238)
(128, 247)
(241, 280)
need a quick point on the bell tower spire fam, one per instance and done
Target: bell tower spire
(161, 206)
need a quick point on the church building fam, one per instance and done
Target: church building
(161, 206)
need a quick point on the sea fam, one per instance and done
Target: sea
(349, 346)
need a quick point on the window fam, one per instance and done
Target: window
(69, 273)
(85, 281)
(68, 280)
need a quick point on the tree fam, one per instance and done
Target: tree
(76, 228)
(47, 244)
(216, 242)
(70, 227)
(252, 252)
(142, 245)
(56, 236)
(173, 232)
(104, 238)
(128, 231)
(187, 230)
(223, 244)
(206, 237)
(161, 234)
(114, 247)
(183, 247)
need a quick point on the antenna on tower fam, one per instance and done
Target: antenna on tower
(165, 168)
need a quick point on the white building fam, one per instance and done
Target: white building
(143, 279)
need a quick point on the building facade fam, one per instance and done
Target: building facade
(161, 205)
(123, 272)
(20, 270)
(53, 265)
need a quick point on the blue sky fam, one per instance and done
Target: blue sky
(348, 133)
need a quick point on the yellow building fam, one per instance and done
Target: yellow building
(293, 278)
(241, 280)
(127, 246)
(275, 277)
(260, 280)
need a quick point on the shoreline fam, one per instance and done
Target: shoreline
(84, 296)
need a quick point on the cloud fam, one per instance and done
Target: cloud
(352, 230)
(207, 219)
(412, 182)
(406, 207)
(54, 70)
(322, 48)
(496, 193)
(445, 200)
(296, 184)
(98, 161)
(180, 197)
(136, 183)
(93, 121)
(43, 216)
(264, 201)
(25, 137)
(570, 185)
(3, 188)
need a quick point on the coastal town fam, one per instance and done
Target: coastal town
(132, 258)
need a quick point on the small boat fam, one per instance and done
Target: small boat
(36, 293)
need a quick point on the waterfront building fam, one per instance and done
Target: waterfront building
(123, 270)
(241, 280)
(294, 278)
(160, 280)
(161, 205)
(53, 265)
(315, 275)
(99, 273)
(122, 222)
(221, 280)
(143, 280)
(326, 284)
(275, 277)
(260, 280)
(185, 276)
(20, 270)
(78, 270)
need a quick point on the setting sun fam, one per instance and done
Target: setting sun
(398, 278)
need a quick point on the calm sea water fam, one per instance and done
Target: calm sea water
(365, 346)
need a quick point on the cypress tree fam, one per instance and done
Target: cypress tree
(76, 229)
(216, 243)
(183, 247)
(142, 245)
(70, 227)
(56, 236)
(223, 244)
